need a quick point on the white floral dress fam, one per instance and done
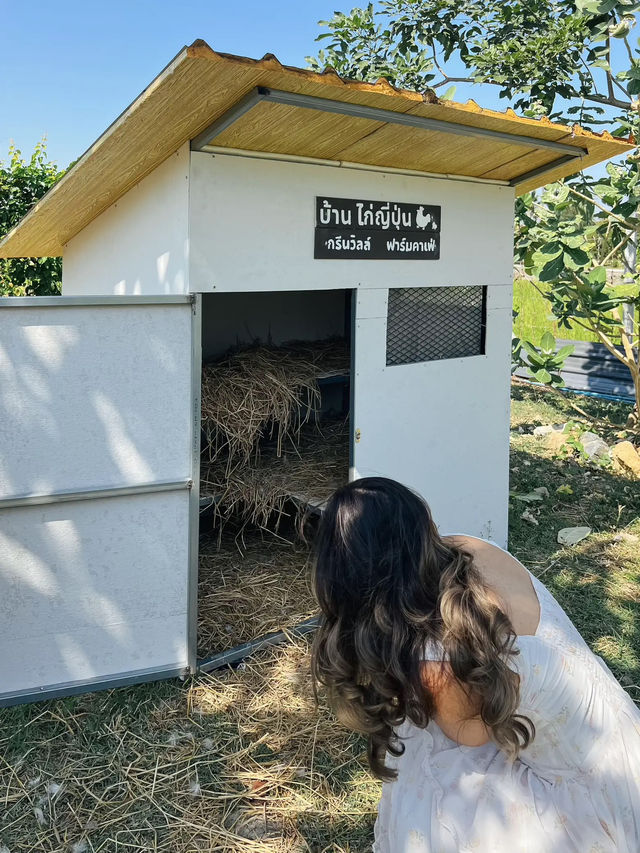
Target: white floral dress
(575, 789)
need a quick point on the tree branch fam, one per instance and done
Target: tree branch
(609, 76)
(611, 102)
(445, 77)
(452, 80)
(621, 87)
(594, 328)
(605, 339)
(630, 54)
(626, 343)
(617, 248)
(603, 208)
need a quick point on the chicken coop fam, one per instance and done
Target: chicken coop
(274, 282)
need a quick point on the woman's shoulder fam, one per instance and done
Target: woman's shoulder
(473, 542)
(506, 577)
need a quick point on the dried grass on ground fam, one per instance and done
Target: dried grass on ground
(250, 587)
(237, 762)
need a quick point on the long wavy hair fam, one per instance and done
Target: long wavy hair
(387, 584)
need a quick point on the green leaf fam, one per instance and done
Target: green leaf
(577, 255)
(596, 7)
(543, 376)
(555, 193)
(548, 342)
(448, 95)
(564, 490)
(598, 275)
(551, 249)
(552, 270)
(565, 351)
(606, 191)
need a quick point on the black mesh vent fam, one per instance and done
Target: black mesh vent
(429, 323)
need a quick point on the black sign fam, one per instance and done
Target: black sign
(349, 228)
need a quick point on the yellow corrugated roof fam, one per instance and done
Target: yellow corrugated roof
(200, 85)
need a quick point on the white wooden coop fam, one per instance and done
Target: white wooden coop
(238, 197)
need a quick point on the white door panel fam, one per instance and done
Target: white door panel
(92, 589)
(96, 458)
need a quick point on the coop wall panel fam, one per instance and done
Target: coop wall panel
(252, 224)
(92, 589)
(140, 244)
(93, 397)
(441, 427)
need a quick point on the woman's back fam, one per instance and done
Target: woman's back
(576, 787)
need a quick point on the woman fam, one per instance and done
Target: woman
(490, 721)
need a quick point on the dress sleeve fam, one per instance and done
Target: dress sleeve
(433, 650)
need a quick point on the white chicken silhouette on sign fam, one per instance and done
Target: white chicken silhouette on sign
(422, 219)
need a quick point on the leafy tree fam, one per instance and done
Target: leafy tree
(560, 240)
(22, 183)
(548, 57)
(571, 60)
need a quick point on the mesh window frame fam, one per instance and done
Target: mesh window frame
(424, 325)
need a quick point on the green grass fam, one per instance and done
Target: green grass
(598, 580)
(535, 317)
(252, 740)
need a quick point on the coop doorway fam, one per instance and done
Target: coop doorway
(275, 443)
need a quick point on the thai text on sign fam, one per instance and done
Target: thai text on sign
(376, 230)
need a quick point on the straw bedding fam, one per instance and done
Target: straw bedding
(244, 594)
(309, 471)
(264, 392)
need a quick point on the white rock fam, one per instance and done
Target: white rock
(547, 429)
(573, 535)
(543, 491)
(619, 537)
(593, 445)
(528, 516)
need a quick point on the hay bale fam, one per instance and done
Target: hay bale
(250, 588)
(264, 391)
(308, 471)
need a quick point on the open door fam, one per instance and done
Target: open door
(98, 407)
(431, 399)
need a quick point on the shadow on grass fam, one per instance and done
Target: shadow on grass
(545, 406)
(596, 581)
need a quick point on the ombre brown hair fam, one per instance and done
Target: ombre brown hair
(388, 584)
